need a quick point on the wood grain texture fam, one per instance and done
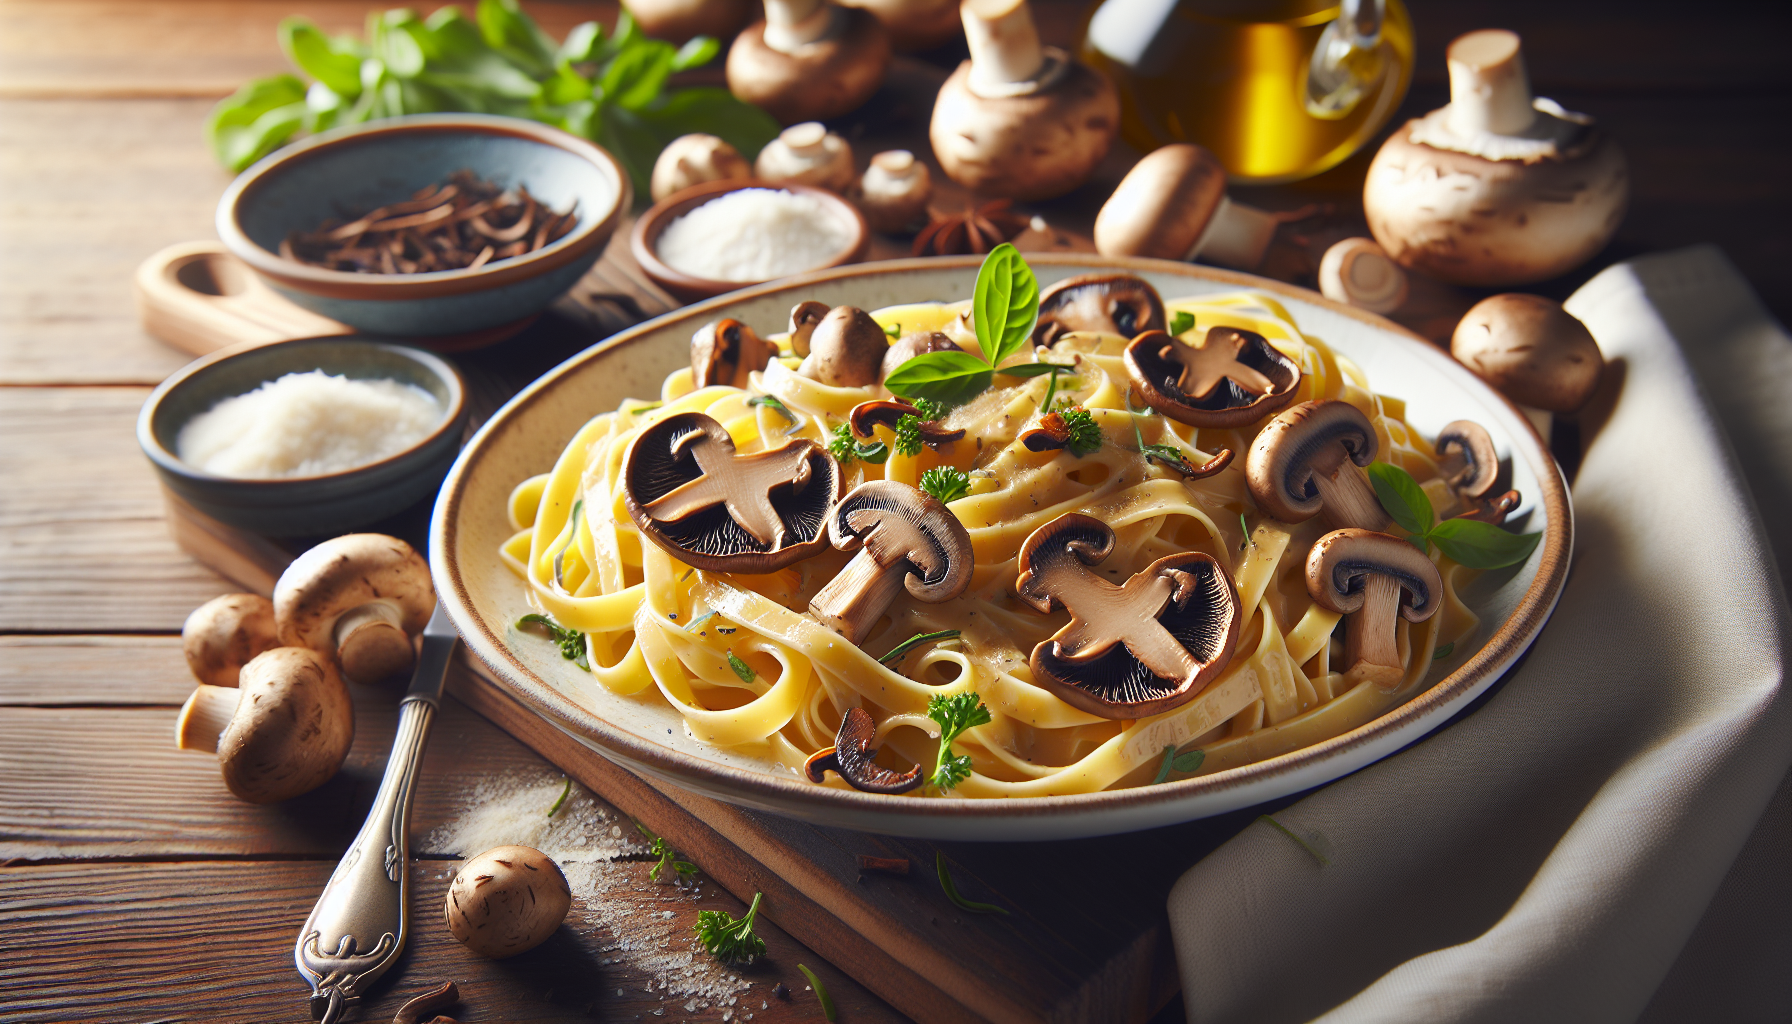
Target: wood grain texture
(77, 671)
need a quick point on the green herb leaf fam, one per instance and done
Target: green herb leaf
(668, 857)
(581, 43)
(1444, 652)
(876, 453)
(1186, 763)
(946, 883)
(951, 377)
(1481, 545)
(571, 641)
(578, 507)
(946, 483)
(930, 410)
(1181, 323)
(1279, 827)
(893, 331)
(562, 797)
(1402, 496)
(256, 119)
(730, 940)
(773, 404)
(955, 714)
(1005, 304)
(821, 992)
(843, 446)
(696, 52)
(908, 434)
(741, 668)
(1246, 527)
(1085, 433)
(915, 641)
(1034, 369)
(337, 65)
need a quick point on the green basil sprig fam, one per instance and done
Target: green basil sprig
(1469, 542)
(1004, 310)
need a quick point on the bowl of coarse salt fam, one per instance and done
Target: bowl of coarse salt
(722, 235)
(312, 437)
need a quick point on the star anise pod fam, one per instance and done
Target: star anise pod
(977, 230)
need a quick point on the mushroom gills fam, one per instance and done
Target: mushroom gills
(851, 758)
(712, 528)
(1109, 303)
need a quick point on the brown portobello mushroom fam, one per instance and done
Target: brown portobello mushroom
(360, 599)
(226, 633)
(1470, 466)
(905, 539)
(851, 758)
(807, 154)
(1371, 578)
(894, 190)
(1172, 205)
(676, 21)
(846, 349)
(911, 345)
(1230, 379)
(506, 901)
(1109, 303)
(868, 415)
(1309, 459)
(709, 507)
(283, 730)
(1532, 351)
(725, 352)
(808, 60)
(1144, 647)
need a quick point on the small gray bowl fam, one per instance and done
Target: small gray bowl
(328, 504)
(352, 170)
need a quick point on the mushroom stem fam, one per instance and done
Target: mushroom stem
(1004, 44)
(1489, 90)
(204, 716)
(371, 643)
(1371, 645)
(853, 601)
(792, 24)
(1236, 236)
(1349, 498)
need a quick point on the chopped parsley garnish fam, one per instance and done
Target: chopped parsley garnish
(668, 857)
(728, 939)
(930, 410)
(1084, 432)
(946, 883)
(571, 641)
(1185, 763)
(915, 641)
(955, 714)
(741, 668)
(1181, 322)
(908, 434)
(947, 483)
(843, 446)
(877, 453)
(893, 330)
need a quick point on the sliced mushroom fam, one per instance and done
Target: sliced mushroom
(906, 539)
(1130, 651)
(726, 352)
(1468, 462)
(1172, 205)
(1050, 434)
(694, 159)
(851, 758)
(689, 492)
(1109, 303)
(1359, 273)
(226, 633)
(359, 598)
(806, 154)
(846, 349)
(1372, 577)
(911, 345)
(867, 415)
(804, 316)
(808, 60)
(1309, 458)
(894, 190)
(1231, 378)
(282, 731)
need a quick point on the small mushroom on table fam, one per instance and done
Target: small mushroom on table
(913, 25)
(1230, 378)
(506, 901)
(806, 154)
(677, 21)
(893, 192)
(226, 633)
(1144, 647)
(1532, 351)
(708, 506)
(905, 539)
(846, 349)
(358, 598)
(1373, 579)
(694, 160)
(727, 352)
(283, 730)
(1310, 459)
(808, 60)
(1172, 205)
(851, 758)
(1470, 466)
(869, 415)
(1107, 303)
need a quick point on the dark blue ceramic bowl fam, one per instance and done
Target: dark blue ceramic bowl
(352, 170)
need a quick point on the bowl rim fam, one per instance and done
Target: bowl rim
(342, 284)
(660, 215)
(453, 419)
(1384, 734)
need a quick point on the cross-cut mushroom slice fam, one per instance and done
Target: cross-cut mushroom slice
(850, 757)
(691, 493)
(1110, 303)
(1309, 458)
(1470, 466)
(1372, 577)
(1141, 648)
(846, 349)
(911, 345)
(725, 352)
(803, 318)
(1230, 379)
(867, 415)
(905, 539)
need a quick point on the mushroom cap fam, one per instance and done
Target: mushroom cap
(1468, 220)
(911, 345)
(823, 79)
(1028, 147)
(292, 728)
(1530, 350)
(1311, 437)
(1469, 441)
(347, 573)
(726, 352)
(1236, 377)
(913, 24)
(846, 349)
(851, 758)
(506, 901)
(1109, 303)
(789, 488)
(224, 634)
(904, 523)
(694, 159)
(1359, 273)
(894, 190)
(1343, 560)
(677, 21)
(867, 415)
(807, 154)
(1163, 205)
(804, 316)
(1182, 605)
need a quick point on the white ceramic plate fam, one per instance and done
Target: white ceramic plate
(526, 436)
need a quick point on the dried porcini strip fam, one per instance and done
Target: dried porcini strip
(1231, 379)
(851, 758)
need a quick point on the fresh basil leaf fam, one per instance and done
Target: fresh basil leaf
(453, 34)
(951, 377)
(1182, 322)
(567, 86)
(1481, 545)
(581, 43)
(1034, 369)
(400, 50)
(251, 122)
(511, 32)
(634, 79)
(1005, 303)
(1402, 496)
(695, 53)
(711, 111)
(318, 56)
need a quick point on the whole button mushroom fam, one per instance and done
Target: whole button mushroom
(359, 599)
(894, 190)
(1496, 188)
(1373, 579)
(1172, 205)
(905, 539)
(846, 349)
(678, 21)
(727, 352)
(225, 633)
(506, 901)
(911, 345)
(851, 758)
(1309, 459)
(1533, 352)
(1359, 273)
(283, 730)
(693, 160)
(1106, 303)
(807, 154)
(808, 60)
(1231, 378)
(1018, 119)
(913, 24)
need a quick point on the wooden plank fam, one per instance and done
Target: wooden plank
(213, 941)
(76, 671)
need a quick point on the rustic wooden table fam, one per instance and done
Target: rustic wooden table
(133, 886)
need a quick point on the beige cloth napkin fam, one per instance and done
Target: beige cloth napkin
(1549, 857)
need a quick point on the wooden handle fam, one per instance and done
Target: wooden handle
(199, 298)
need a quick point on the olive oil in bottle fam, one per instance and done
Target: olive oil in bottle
(1277, 89)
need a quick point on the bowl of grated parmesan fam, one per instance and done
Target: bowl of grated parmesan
(309, 437)
(721, 235)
